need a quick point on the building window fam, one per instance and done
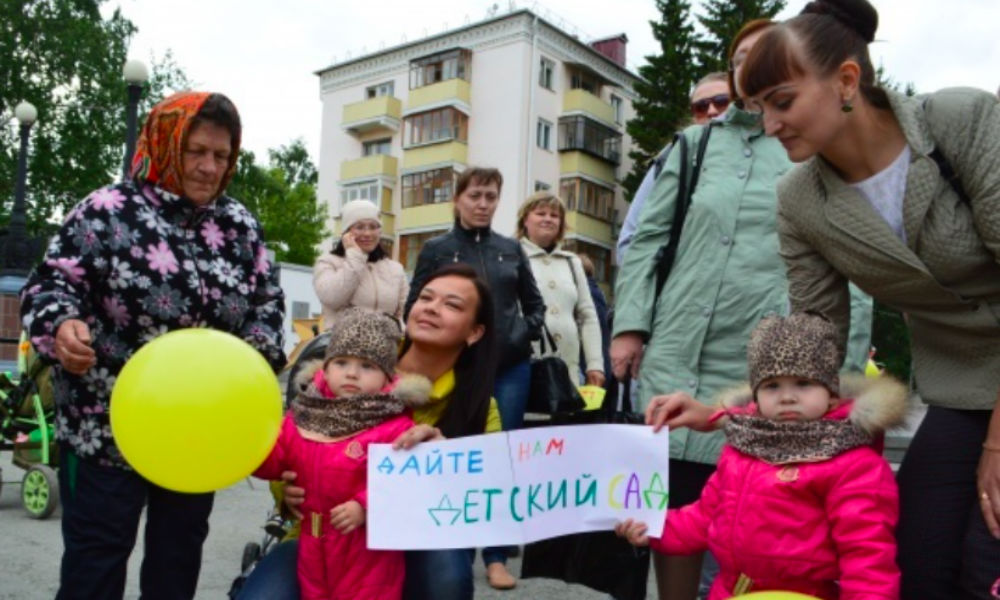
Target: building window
(541, 186)
(586, 81)
(600, 256)
(545, 73)
(382, 89)
(441, 125)
(382, 146)
(428, 187)
(582, 133)
(587, 197)
(410, 247)
(367, 190)
(543, 134)
(429, 70)
(616, 105)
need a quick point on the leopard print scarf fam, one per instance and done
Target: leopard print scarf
(340, 417)
(780, 443)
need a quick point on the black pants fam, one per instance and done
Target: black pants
(100, 519)
(945, 550)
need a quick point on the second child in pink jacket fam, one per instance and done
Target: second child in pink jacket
(802, 499)
(352, 401)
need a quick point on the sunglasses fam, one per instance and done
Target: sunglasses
(700, 108)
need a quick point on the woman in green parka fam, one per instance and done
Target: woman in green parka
(727, 276)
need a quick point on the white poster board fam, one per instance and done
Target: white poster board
(516, 487)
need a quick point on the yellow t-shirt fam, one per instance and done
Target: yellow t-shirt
(440, 396)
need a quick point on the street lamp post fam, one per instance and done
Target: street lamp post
(135, 74)
(17, 250)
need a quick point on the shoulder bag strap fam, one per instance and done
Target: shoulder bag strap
(685, 189)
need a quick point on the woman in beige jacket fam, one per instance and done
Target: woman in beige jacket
(900, 196)
(569, 308)
(358, 272)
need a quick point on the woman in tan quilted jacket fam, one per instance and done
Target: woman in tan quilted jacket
(358, 272)
(900, 196)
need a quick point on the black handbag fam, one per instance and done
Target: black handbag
(552, 389)
(599, 560)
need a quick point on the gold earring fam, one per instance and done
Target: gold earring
(846, 106)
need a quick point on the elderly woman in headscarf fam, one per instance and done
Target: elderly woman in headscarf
(164, 251)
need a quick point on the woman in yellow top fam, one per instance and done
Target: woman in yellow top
(450, 340)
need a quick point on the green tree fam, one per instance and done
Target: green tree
(722, 20)
(66, 59)
(662, 104)
(294, 160)
(286, 206)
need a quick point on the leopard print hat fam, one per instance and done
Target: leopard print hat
(365, 334)
(799, 345)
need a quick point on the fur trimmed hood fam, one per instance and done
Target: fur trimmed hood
(413, 390)
(873, 405)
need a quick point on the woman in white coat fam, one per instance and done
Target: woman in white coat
(358, 272)
(569, 308)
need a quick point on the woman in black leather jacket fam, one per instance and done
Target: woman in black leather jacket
(519, 308)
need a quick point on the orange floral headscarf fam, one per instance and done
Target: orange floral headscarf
(160, 148)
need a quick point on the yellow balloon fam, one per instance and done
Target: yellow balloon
(196, 410)
(777, 596)
(871, 370)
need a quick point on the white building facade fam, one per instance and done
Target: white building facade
(512, 92)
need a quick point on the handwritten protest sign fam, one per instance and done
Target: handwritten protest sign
(516, 487)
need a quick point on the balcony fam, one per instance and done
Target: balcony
(582, 163)
(444, 153)
(369, 167)
(450, 91)
(589, 227)
(427, 215)
(376, 114)
(582, 101)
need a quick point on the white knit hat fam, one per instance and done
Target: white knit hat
(358, 210)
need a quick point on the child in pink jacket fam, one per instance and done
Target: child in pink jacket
(802, 500)
(351, 401)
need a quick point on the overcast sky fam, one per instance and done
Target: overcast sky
(262, 53)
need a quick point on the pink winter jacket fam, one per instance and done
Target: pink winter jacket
(333, 565)
(825, 529)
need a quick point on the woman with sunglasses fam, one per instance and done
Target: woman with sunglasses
(710, 97)
(727, 276)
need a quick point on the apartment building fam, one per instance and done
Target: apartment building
(512, 92)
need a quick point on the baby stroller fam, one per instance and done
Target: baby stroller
(276, 527)
(26, 415)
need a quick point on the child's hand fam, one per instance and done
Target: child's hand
(633, 531)
(294, 496)
(348, 516)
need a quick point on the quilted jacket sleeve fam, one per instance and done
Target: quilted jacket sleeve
(965, 123)
(58, 288)
(813, 283)
(863, 504)
(686, 529)
(264, 326)
(277, 461)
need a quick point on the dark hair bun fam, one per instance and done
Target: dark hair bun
(858, 15)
